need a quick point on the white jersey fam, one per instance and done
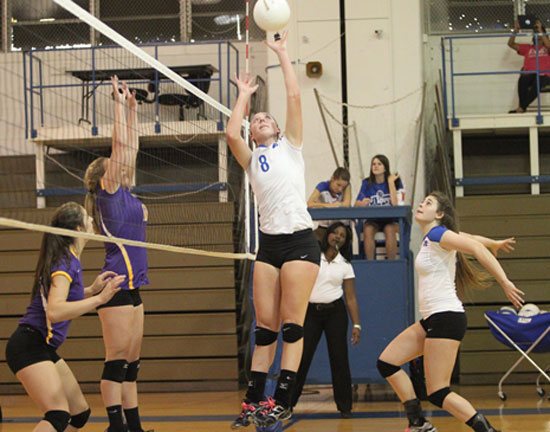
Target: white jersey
(436, 268)
(277, 176)
(329, 284)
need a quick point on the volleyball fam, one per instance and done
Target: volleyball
(529, 310)
(271, 15)
(508, 310)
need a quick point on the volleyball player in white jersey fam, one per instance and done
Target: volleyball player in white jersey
(288, 258)
(438, 335)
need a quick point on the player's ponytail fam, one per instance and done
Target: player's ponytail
(92, 181)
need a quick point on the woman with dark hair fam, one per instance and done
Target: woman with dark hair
(326, 313)
(527, 83)
(287, 262)
(443, 275)
(58, 296)
(118, 213)
(380, 188)
(335, 192)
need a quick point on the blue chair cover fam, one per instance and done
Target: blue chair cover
(524, 331)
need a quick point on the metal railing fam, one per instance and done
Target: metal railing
(452, 74)
(34, 86)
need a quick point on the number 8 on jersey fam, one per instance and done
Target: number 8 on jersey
(263, 163)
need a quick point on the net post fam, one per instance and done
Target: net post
(40, 167)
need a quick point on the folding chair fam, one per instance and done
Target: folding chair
(526, 334)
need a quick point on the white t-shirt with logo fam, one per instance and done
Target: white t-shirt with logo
(329, 284)
(436, 268)
(277, 176)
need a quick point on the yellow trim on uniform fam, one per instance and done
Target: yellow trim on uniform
(62, 273)
(50, 330)
(128, 265)
(73, 252)
(124, 255)
(101, 184)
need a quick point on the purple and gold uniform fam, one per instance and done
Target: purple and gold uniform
(54, 334)
(123, 215)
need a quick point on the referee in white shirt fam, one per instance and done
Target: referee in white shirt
(327, 313)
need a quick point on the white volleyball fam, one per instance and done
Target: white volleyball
(508, 310)
(271, 15)
(529, 310)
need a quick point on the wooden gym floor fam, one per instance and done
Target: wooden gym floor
(211, 412)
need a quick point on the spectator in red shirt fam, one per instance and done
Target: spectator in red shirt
(527, 83)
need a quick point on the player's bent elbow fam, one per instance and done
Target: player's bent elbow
(232, 138)
(478, 250)
(52, 315)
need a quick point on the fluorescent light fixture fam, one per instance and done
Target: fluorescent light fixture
(205, 2)
(227, 19)
(47, 19)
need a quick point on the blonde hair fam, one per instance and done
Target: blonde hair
(92, 181)
(468, 273)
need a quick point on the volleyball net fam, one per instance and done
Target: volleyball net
(58, 117)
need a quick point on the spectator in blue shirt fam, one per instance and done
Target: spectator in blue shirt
(335, 192)
(381, 188)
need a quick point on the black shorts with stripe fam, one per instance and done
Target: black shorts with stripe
(124, 298)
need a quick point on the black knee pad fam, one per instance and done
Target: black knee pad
(265, 336)
(78, 421)
(439, 396)
(132, 372)
(386, 369)
(58, 419)
(115, 370)
(292, 332)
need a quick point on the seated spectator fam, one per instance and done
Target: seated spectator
(381, 188)
(326, 313)
(335, 192)
(527, 83)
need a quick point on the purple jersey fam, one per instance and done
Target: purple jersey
(123, 215)
(35, 316)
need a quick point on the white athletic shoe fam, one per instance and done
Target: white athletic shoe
(426, 427)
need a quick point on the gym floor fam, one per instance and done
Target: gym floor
(524, 411)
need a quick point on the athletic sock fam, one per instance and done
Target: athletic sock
(414, 412)
(256, 386)
(132, 417)
(116, 424)
(285, 386)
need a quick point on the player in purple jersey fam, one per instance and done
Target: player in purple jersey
(58, 296)
(116, 212)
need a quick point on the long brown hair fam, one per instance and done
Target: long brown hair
(56, 247)
(92, 181)
(386, 162)
(468, 273)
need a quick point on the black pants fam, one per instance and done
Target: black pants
(333, 320)
(527, 88)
